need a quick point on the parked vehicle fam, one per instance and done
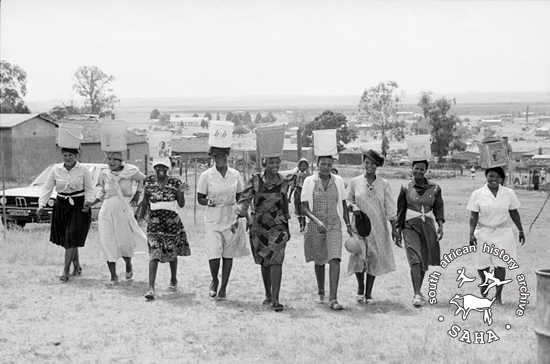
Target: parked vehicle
(21, 203)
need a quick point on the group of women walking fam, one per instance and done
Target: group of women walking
(255, 214)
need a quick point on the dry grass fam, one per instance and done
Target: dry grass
(84, 321)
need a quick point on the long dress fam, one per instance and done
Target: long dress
(418, 207)
(322, 247)
(269, 232)
(70, 225)
(166, 235)
(119, 232)
(377, 202)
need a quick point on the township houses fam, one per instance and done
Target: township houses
(28, 144)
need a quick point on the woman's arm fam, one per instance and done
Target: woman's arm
(438, 210)
(307, 212)
(474, 218)
(143, 207)
(514, 214)
(180, 194)
(401, 209)
(46, 190)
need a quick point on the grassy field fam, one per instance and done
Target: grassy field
(43, 320)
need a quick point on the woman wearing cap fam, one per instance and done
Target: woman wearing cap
(218, 189)
(269, 233)
(419, 207)
(299, 176)
(372, 195)
(119, 232)
(489, 209)
(71, 214)
(166, 235)
(323, 202)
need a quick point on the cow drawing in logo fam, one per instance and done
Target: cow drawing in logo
(471, 302)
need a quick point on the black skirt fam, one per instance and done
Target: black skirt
(70, 225)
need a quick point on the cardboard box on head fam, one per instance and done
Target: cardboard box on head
(419, 147)
(69, 136)
(220, 134)
(112, 135)
(493, 153)
(270, 140)
(324, 143)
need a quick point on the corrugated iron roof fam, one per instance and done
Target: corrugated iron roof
(91, 132)
(11, 120)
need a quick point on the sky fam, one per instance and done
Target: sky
(206, 48)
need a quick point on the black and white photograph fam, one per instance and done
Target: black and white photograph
(328, 181)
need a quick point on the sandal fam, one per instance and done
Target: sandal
(417, 301)
(173, 286)
(77, 271)
(64, 278)
(334, 305)
(321, 299)
(129, 275)
(277, 307)
(213, 289)
(150, 295)
(361, 299)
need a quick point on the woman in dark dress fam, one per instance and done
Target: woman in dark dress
(419, 206)
(71, 216)
(269, 233)
(166, 235)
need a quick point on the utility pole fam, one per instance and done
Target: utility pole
(527, 115)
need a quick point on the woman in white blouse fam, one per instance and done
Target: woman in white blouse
(119, 232)
(489, 209)
(71, 214)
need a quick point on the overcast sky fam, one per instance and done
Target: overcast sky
(251, 47)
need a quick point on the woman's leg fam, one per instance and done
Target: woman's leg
(174, 272)
(214, 268)
(266, 277)
(334, 275)
(112, 270)
(226, 272)
(320, 277)
(360, 283)
(76, 263)
(276, 272)
(129, 271)
(500, 273)
(153, 266)
(370, 284)
(417, 277)
(69, 252)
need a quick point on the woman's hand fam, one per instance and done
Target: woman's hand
(322, 228)
(211, 203)
(134, 201)
(521, 238)
(183, 187)
(350, 231)
(396, 236)
(473, 240)
(440, 232)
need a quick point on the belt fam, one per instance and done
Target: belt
(505, 224)
(164, 205)
(411, 214)
(69, 196)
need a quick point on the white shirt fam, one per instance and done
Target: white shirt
(78, 178)
(222, 191)
(493, 211)
(309, 186)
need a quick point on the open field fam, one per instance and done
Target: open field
(85, 321)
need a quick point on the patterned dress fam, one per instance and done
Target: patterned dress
(323, 247)
(166, 236)
(418, 205)
(269, 231)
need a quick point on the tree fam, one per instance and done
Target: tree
(330, 120)
(13, 87)
(258, 118)
(247, 119)
(444, 126)
(95, 86)
(208, 116)
(240, 129)
(379, 104)
(269, 118)
(204, 123)
(217, 116)
(236, 119)
(195, 115)
(164, 119)
(60, 112)
(155, 114)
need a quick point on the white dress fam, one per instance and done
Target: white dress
(119, 232)
(494, 224)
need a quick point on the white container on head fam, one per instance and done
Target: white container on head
(220, 134)
(69, 136)
(324, 143)
(112, 135)
(270, 140)
(419, 147)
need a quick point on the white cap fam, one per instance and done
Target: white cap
(162, 162)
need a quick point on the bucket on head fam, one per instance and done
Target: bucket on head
(542, 328)
(112, 135)
(270, 140)
(69, 136)
(324, 142)
(220, 134)
(419, 147)
(493, 154)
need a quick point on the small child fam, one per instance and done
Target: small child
(299, 176)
